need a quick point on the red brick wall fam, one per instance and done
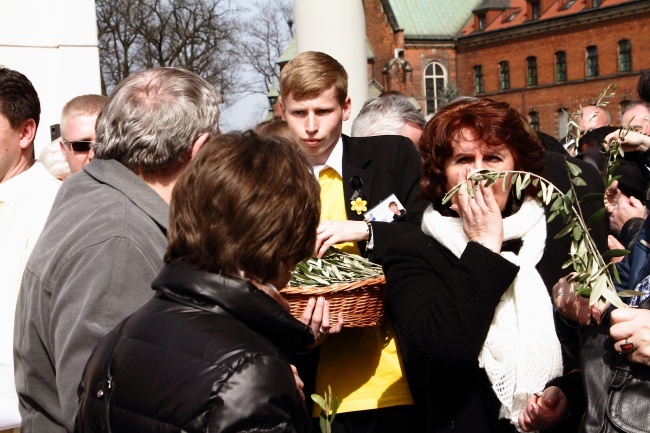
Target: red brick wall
(380, 36)
(548, 96)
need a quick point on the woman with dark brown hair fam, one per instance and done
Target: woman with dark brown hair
(208, 352)
(470, 295)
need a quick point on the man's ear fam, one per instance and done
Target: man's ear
(347, 108)
(27, 133)
(198, 144)
(282, 108)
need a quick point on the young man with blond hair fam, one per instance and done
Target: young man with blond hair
(78, 119)
(362, 365)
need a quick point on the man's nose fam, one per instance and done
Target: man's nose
(312, 124)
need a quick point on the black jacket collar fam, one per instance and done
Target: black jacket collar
(355, 161)
(186, 284)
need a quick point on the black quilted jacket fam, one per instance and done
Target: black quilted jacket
(207, 354)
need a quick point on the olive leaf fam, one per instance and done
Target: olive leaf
(327, 406)
(590, 268)
(334, 267)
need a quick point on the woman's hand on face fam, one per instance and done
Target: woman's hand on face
(545, 410)
(317, 317)
(482, 221)
(632, 325)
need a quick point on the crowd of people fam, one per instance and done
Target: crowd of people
(144, 252)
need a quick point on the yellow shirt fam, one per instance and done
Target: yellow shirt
(362, 365)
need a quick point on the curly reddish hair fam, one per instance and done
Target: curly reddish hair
(493, 123)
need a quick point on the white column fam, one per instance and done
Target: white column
(338, 28)
(54, 43)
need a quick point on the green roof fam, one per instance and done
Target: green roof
(432, 19)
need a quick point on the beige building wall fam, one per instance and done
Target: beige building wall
(54, 43)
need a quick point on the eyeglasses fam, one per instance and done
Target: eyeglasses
(79, 146)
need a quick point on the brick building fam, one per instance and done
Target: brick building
(547, 58)
(544, 57)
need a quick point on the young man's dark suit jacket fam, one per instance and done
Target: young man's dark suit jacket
(386, 164)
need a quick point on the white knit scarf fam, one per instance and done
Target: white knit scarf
(521, 352)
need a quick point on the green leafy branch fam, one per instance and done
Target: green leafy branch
(327, 406)
(335, 267)
(574, 132)
(591, 268)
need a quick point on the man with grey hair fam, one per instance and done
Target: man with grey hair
(389, 115)
(106, 236)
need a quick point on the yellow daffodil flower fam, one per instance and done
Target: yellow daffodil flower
(359, 205)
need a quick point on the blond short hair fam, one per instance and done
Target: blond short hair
(84, 105)
(311, 73)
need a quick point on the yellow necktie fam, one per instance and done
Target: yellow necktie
(332, 200)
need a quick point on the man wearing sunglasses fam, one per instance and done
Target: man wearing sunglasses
(78, 120)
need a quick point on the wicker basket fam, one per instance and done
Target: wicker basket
(362, 302)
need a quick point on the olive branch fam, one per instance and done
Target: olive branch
(574, 132)
(327, 406)
(592, 270)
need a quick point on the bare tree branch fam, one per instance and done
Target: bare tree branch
(200, 35)
(268, 35)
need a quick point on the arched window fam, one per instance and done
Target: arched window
(531, 71)
(562, 122)
(533, 119)
(560, 66)
(479, 86)
(624, 56)
(504, 75)
(592, 61)
(435, 81)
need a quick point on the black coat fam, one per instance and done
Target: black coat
(206, 354)
(442, 307)
(385, 164)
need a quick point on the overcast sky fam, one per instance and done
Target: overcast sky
(249, 110)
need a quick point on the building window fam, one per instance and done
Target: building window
(592, 61)
(560, 66)
(478, 79)
(533, 117)
(596, 3)
(511, 17)
(482, 23)
(536, 10)
(562, 122)
(567, 4)
(504, 76)
(435, 81)
(624, 56)
(531, 71)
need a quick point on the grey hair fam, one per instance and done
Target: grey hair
(385, 115)
(633, 104)
(152, 119)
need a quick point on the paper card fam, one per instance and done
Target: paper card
(388, 210)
